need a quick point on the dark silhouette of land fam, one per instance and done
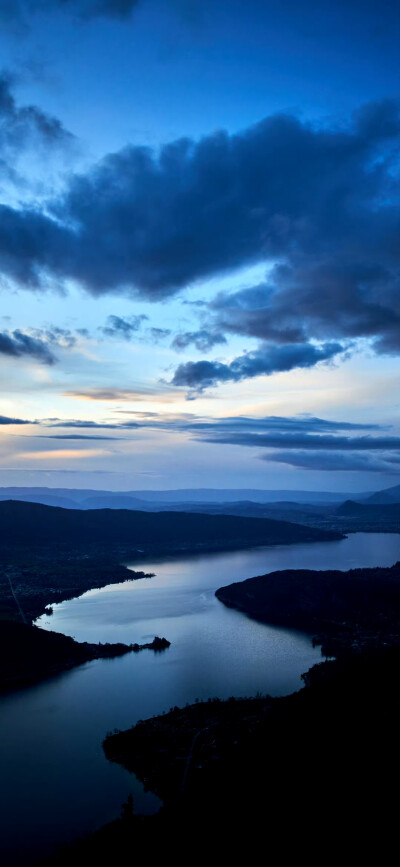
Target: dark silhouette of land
(282, 774)
(319, 510)
(371, 511)
(28, 653)
(32, 579)
(297, 776)
(358, 608)
(349, 517)
(50, 554)
(34, 524)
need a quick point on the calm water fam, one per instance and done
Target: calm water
(56, 783)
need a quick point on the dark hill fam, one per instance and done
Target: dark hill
(34, 524)
(46, 500)
(378, 511)
(304, 773)
(354, 606)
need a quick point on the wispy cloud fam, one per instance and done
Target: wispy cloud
(18, 344)
(6, 420)
(337, 461)
(61, 454)
(151, 393)
(305, 441)
(202, 339)
(123, 328)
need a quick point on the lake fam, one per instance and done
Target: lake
(56, 782)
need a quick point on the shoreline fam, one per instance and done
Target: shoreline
(43, 577)
(25, 651)
(356, 609)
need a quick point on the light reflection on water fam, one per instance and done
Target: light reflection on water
(54, 774)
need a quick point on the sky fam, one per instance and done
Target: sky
(199, 244)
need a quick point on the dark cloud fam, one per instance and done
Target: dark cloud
(17, 344)
(203, 340)
(39, 343)
(307, 441)
(336, 461)
(157, 334)
(21, 10)
(61, 337)
(4, 419)
(321, 300)
(291, 424)
(97, 8)
(124, 329)
(154, 222)
(198, 375)
(318, 200)
(20, 124)
(28, 136)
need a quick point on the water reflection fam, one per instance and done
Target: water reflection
(56, 782)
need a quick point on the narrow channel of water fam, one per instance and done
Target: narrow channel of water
(55, 781)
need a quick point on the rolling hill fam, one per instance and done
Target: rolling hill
(34, 524)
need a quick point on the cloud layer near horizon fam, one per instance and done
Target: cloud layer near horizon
(304, 442)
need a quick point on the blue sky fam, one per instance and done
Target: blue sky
(199, 221)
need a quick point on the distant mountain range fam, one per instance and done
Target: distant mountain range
(341, 512)
(390, 495)
(74, 498)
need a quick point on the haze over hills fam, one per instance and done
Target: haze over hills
(370, 510)
(390, 495)
(341, 512)
(75, 498)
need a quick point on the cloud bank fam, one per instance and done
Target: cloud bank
(4, 419)
(318, 202)
(305, 442)
(151, 223)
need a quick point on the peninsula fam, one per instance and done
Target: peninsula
(28, 654)
(355, 609)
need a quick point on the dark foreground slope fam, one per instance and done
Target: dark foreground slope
(307, 776)
(23, 524)
(358, 608)
(28, 653)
